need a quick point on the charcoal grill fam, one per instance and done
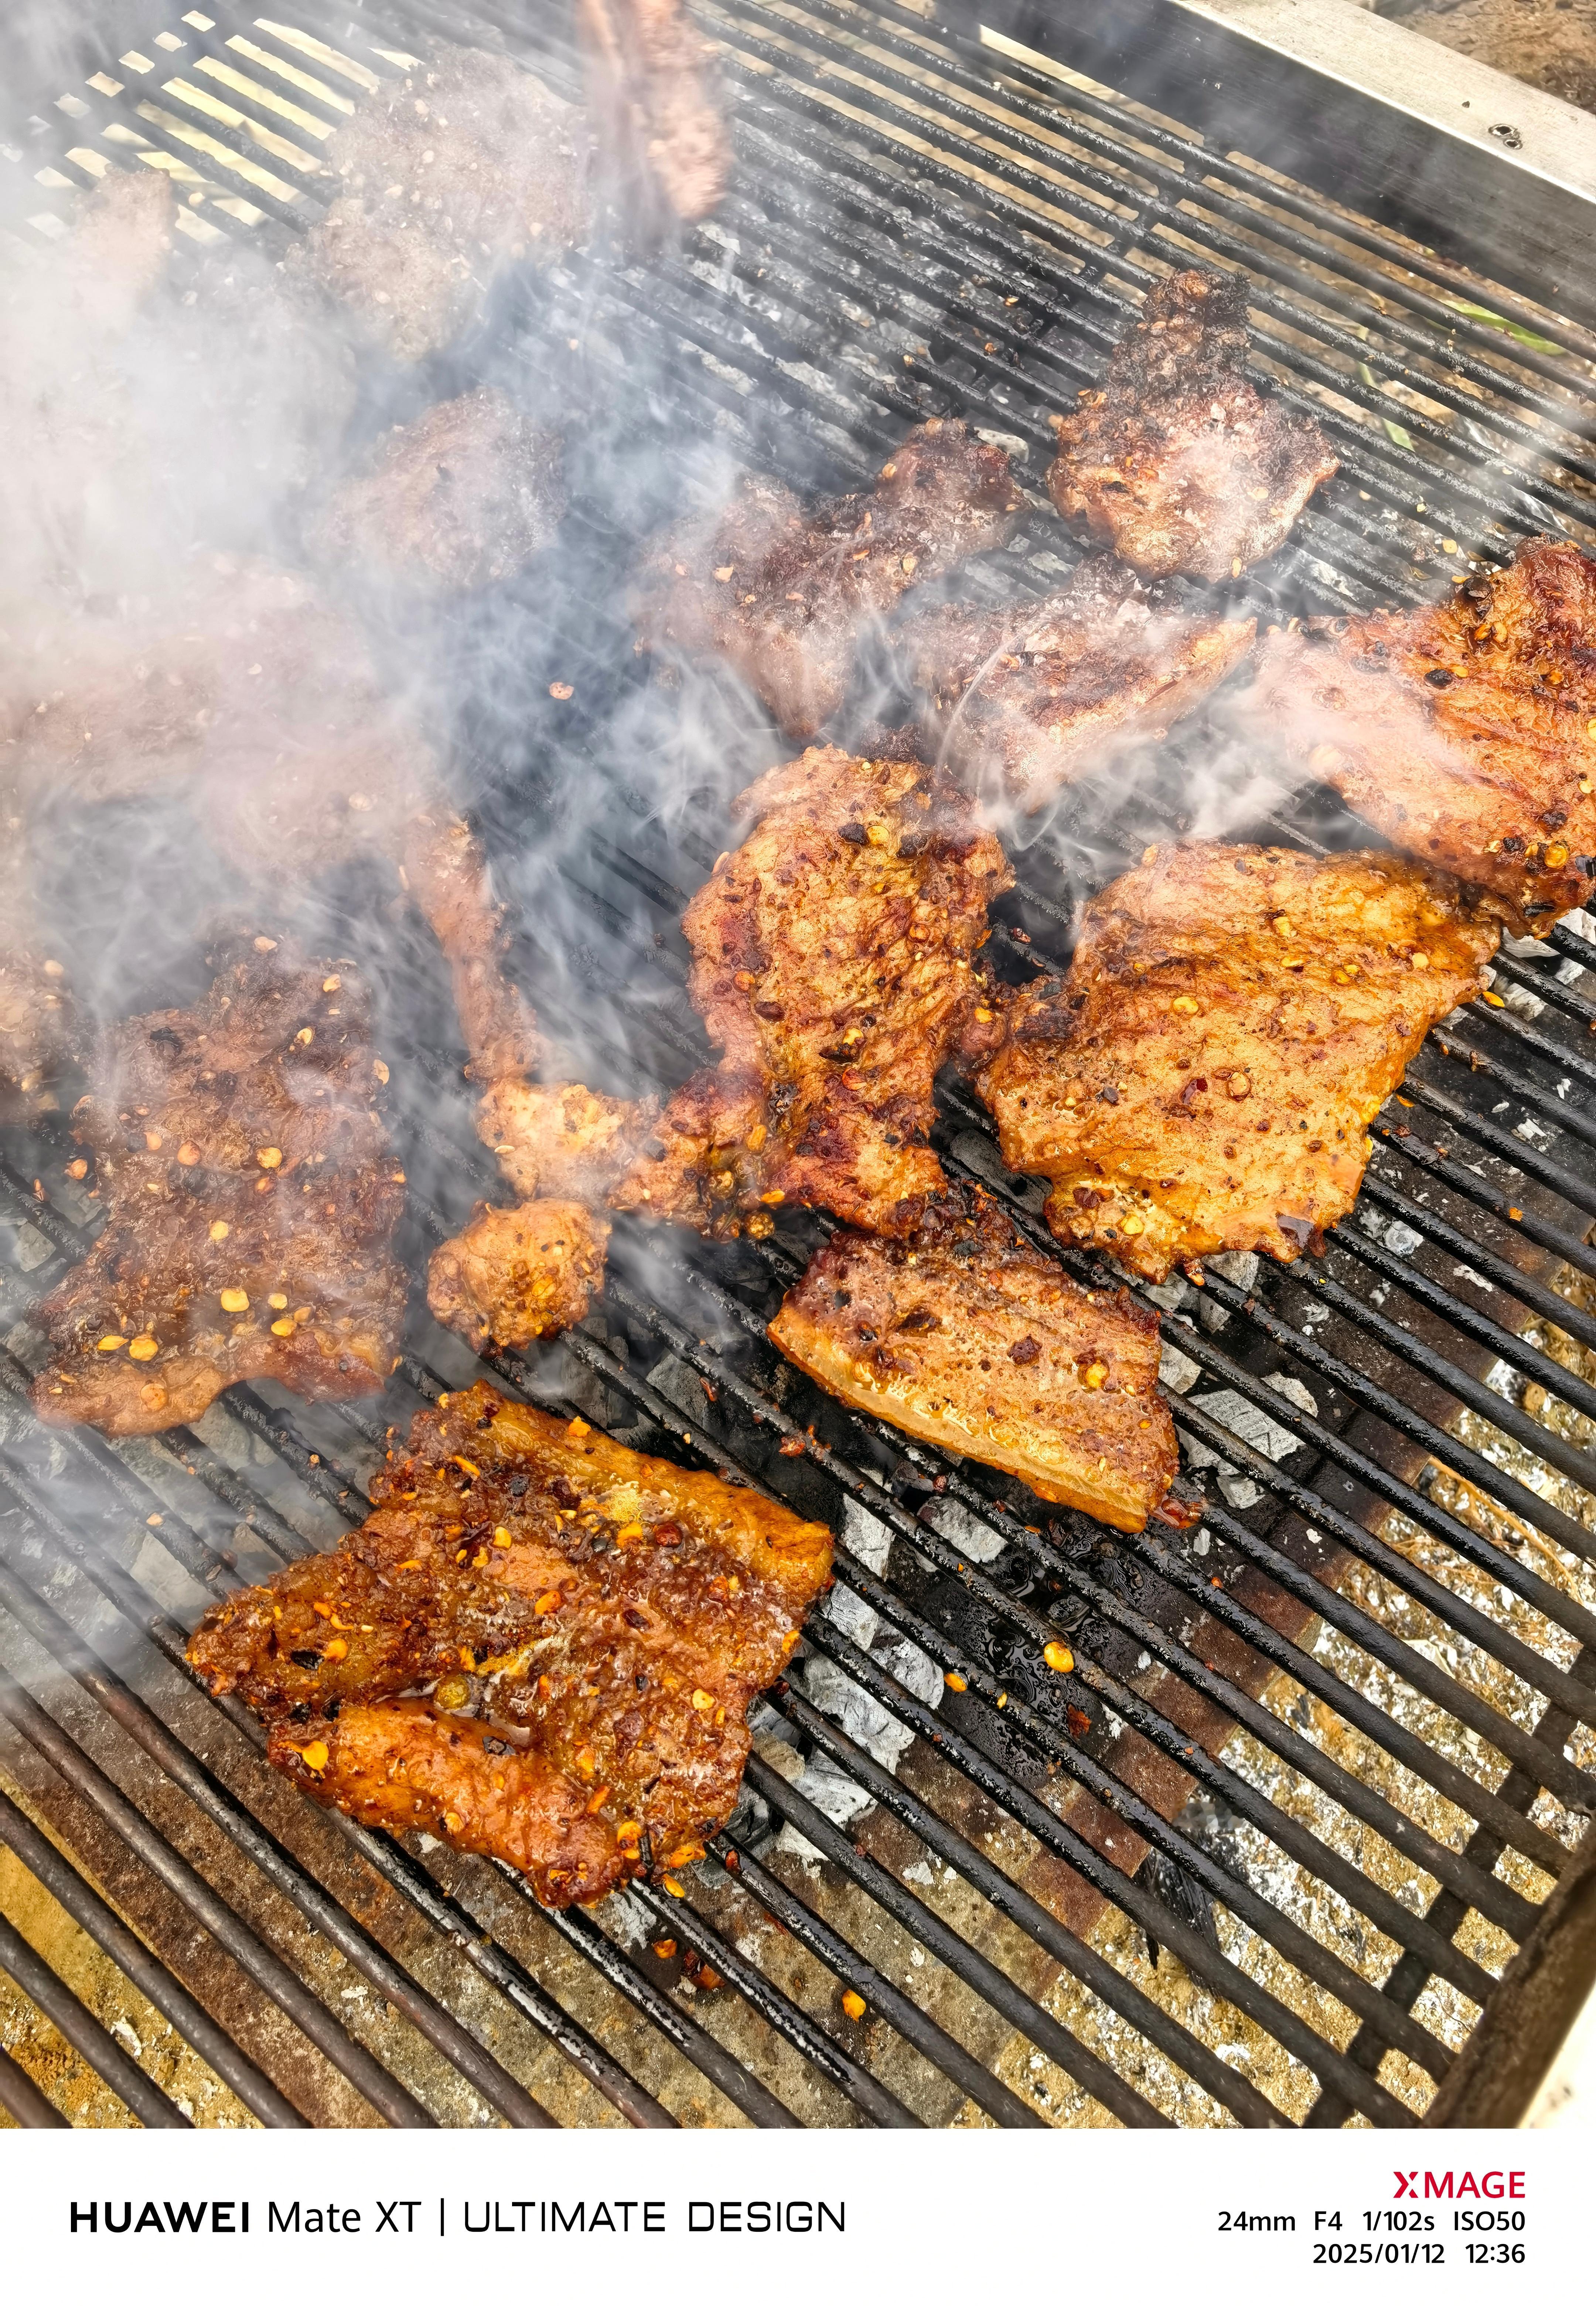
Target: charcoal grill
(1323, 1766)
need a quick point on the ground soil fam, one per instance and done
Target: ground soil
(1549, 43)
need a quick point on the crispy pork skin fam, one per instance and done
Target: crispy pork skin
(1025, 699)
(516, 1274)
(965, 1336)
(462, 497)
(781, 591)
(1232, 1020)
(1461, 731)
(1179, 463)
(541, 1646)
(251, 1201)
(466, 164)
(833, 962)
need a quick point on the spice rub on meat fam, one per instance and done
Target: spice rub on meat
(965, 1336)
(651, 92)
(1232, 1021)
(1179, 463)
(251, 1201)
(781, 591)
(462, 497)
(562, 1139)
(466, 164)
(1462, 731)
(1026, 699)
(514, 1274)
(833, 962)
(542, 1646)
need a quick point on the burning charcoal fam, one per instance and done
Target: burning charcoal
(1179, 462)
(1461, 731)
(1232, 1021)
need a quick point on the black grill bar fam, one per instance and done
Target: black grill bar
(24, 2101)
(75, 2024)
(133, 1957)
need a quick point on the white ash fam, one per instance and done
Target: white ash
(1249, 1424)
(1177, 1370)
(1237, 1266)
(1171, 1294)
(855, 1712)
(1291, 1390)
(961, 1528)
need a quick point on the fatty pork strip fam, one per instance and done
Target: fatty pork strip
(1232, 1020)
(465, 165)
(964, 1336)
(462, 497)
(1462, 731)
(541, 1647)
(782, 591)
(1179, 463)
(251, 1199)
(1026, 699)
(833, 962)
(656, 110)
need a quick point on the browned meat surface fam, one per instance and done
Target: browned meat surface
(562, 1140)
(39, 1031)
(1179, 463)
(1461, 731)
(656, 110)
(834, 963)
(466, 164)
(251, 695)
(120, 241)
(781, 591)
(514, 1274)
(965, 1336)
(1023, 700)
(541, 1646)
(461, 497)
(251, 1201)
(1232, 1020)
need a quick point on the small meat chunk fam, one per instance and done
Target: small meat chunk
(541, 1647)
(40, 1031)
(782, 591)
(1462, 731)
(516, 1275)
(656, 110)
(1024, 700)
(251, 1201)
(461, 497)
(964, 1336)
(466, 164)
(1179, 463)
(1232, 1020)
(833, 962)
(562, 1140)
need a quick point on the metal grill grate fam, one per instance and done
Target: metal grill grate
(1330, 1751)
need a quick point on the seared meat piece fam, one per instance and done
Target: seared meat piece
(251, 1199)
(1178, 462)
(463, 497)
(466, 164)
(564, 1140)
(1461, 731)
(1026, 699)
(651, 90)
(541, 1646)
(833, 962)
(1232, 1020)
(965, 1336)
(38, 1030)
(782, 591)
(518, 1274)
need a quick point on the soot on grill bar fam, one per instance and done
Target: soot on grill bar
(795, 1100)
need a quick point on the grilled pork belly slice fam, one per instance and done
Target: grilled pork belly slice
(1232, 1020)
(465, 165)
(1461, 731)
(462, 497)
(965, 1336)
(516, 1274)
(1025, 699)
(781, 591)
(650, 89)
(834, 963)
(541, 1647)
(250, 1200)
(562, 1140)
(1179, 463)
